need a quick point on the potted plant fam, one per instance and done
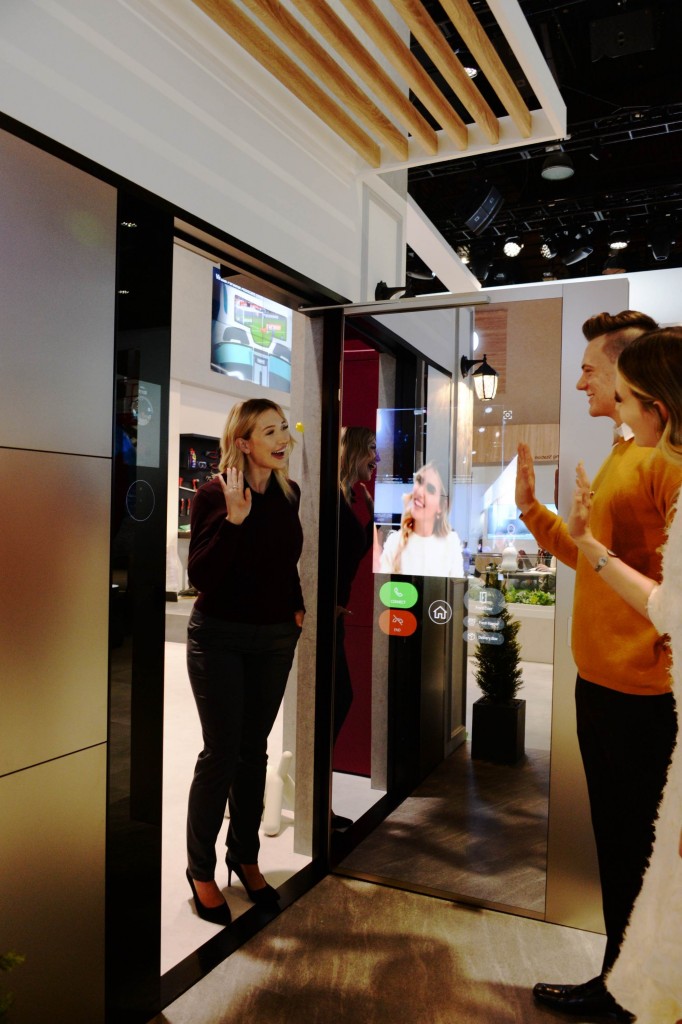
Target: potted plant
(499, 716)
(7, 962)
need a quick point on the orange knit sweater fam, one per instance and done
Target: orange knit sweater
(634, 496)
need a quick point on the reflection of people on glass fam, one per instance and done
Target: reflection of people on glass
(646, 976)
(426, 544)
(245, 543)
(359, 458)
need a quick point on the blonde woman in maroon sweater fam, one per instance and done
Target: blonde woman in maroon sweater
(245, 543)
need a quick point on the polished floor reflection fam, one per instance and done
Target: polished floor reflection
(473, 828)
(349, 952)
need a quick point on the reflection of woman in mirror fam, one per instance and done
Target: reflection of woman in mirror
(245, 543)
(359, 459)
(426, 544)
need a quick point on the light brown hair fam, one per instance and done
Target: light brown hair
(651, 366)
(355, 442)
(441, 526)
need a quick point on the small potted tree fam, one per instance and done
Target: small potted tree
(499, 716)
(8, 961)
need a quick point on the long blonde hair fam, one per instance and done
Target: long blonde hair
(355, 442)
(240, 422)
(441, 526)
(651, 366)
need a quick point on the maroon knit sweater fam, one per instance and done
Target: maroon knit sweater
(246, 573)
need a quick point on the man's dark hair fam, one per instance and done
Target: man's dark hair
(620, 328)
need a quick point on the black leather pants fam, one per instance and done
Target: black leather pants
(238, 674)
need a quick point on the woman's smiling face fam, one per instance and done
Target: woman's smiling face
(270, 441)
(427, 500)
(643, 419)
(368, 463)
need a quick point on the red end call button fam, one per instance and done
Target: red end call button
(397, 622)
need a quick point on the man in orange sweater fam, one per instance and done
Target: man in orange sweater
(624, 705)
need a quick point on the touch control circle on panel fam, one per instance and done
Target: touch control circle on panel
(140, 500)
(440, 612)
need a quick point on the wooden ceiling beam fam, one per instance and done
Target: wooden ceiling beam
(380, 30)
(473, 34)
(434, 42)
(341, 39)
(291, 32)
(232, 20)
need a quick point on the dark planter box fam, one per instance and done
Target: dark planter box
(498, 731)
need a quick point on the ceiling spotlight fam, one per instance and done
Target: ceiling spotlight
(661, 239)
(464, 253)
(557, 167)
(384, 292)
(467, 62)
(618, 240)
(513, 246)
(576, 255)
(660, 249)
(548, 249)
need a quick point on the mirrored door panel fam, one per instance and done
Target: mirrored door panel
(471, 820)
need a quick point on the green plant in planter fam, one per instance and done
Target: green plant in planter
(7, 962)
(497, 665)
(515, 595)
(499, 716)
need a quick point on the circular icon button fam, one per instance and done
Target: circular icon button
(440, 612)
(140, 500)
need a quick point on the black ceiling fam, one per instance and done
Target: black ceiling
(617, 66)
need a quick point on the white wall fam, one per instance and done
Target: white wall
(156, 92)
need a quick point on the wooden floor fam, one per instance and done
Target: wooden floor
(472, 829)
(349, 952)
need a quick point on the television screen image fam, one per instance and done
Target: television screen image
(250, 336)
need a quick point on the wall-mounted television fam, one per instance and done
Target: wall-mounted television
(250, 336)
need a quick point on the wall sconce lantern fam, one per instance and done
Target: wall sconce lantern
(485, 378)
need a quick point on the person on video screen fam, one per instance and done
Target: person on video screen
(425, 544)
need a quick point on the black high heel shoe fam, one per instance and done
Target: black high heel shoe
(216, 915)
(264, 897)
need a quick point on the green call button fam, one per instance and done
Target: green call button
(398, 595)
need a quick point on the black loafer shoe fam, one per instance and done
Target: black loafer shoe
(591, 999)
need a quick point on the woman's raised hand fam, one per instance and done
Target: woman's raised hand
(579, 516)
(237, 498)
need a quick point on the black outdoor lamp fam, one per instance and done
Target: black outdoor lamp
(485, 378)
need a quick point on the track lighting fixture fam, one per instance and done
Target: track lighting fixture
(661, 238)
(513, 246)
(384, 292)
(557, 166)
(549, 248)
(618, 239)
(581, 252)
